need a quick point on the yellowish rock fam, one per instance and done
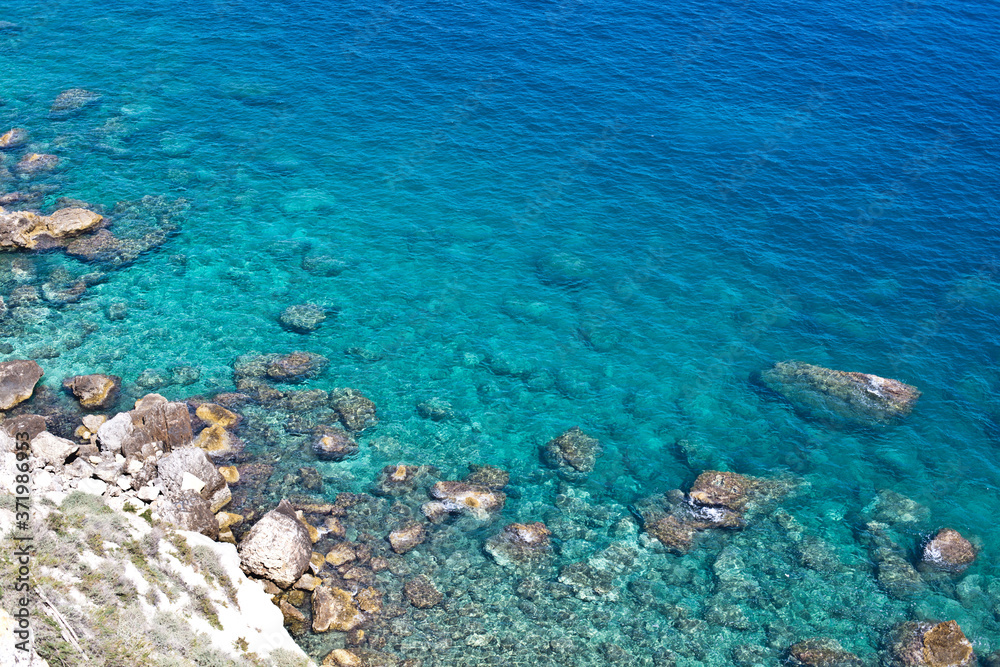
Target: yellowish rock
(334, 527)
(340, 657)
(316, 562)
(228, 519)
(37, 162)
(296, 597)
(216, 415)
(13, 138)
(215, 439)
(333, 609)
(307, 582)
(313, 533)
(227, 537)
(339, 555)
(230, 474)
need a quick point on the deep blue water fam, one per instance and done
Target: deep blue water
(607, 214)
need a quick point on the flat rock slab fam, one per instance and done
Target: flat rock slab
(17, 381)
(95, 392)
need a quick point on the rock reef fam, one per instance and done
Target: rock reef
(839, 395)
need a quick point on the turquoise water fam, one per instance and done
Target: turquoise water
(608, 215)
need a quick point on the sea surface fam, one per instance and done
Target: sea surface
(611, 215)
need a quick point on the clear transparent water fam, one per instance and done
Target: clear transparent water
(606, 215)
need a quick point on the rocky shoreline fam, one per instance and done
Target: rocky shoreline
(356, 577)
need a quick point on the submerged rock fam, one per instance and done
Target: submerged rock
(72, 100)
(399, 479)
(435, 409)
(520, 544)
(822, 652)
(304, 318)
(489, 476)
(948, 551)
(573, 454)
(277, 547)
(356, 411)
(13, 138)
(894, 508)
(827, 393)
(95, 392)
(17, 381)
(333, 444)
(478, 501)
(34, 163)
(334, 609)
(408, 537)
(922, 644)
(295, 367)
(421, 592)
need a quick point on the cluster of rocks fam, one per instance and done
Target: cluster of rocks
(841, 395)
(910, 644)
(942, 554)
(79, 228)
(716, 500)
(146, 456)
(33, 231)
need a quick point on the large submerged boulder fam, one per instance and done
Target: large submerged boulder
(13, 138)
(277, 547)
(573, 454)
(333, 444)
(840, 395)
(922, 644)
(520, 544)
(72, 100)
(948, 551)
(356, 411)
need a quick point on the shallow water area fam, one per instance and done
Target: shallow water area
(613, 217)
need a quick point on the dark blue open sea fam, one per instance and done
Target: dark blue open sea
(549, 214)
